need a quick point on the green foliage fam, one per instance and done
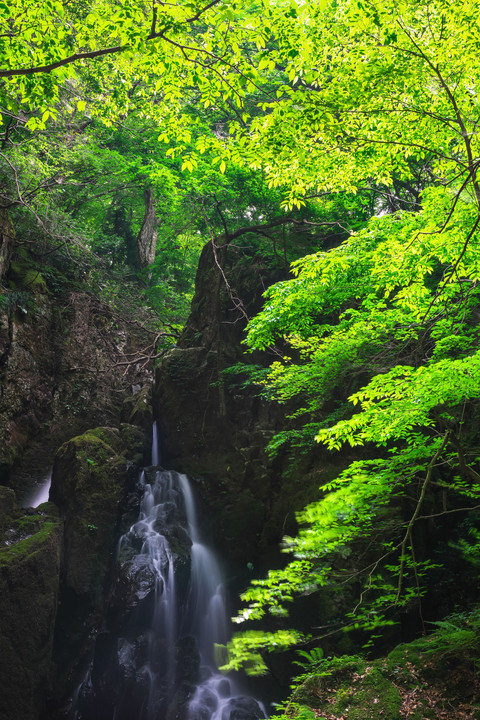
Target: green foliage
(312, 659)
(13, 300)
(375, 282)
(425, 678)
(364, 119)
(171, 284)
(243, 650)
(387, 319)
(133, 54)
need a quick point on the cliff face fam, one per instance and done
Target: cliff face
(216, 427)
(60, 349)
(64, 368)
(29, 586)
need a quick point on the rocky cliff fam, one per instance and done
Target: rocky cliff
(215, 426)
(62, 358)
(67, 364)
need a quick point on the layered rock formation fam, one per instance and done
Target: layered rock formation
(60, 354)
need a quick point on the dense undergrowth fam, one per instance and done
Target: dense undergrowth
(436, 677)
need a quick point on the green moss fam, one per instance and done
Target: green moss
(29, 546)
(105, 437)
(424, 679)
(28, 277)
(369, 690)
(88, 483)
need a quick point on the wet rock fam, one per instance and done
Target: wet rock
(187, 660)
(242, 708)
(88, 482)
(135, 580)
(30, 551)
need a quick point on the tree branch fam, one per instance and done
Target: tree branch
(411, 523)
(70, 59)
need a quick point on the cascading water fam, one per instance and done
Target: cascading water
(155, 446)
(38, 492)
(162, 662)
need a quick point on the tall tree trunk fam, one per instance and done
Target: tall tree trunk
(147, 237)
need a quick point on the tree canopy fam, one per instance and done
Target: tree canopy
(380, 95)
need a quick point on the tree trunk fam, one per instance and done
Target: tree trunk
(7, 237)
(147, 237)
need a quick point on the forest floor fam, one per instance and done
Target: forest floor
(436, 677)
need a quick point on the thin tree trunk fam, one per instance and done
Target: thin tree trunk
(7, 237)
(147, 237)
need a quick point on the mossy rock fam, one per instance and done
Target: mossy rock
(29, 586)
(137, 409)
(431, 677)
(134, 441)
(88, 484)
(23, 275)
(7, 505)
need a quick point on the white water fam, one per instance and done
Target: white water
(155, 446)
(175, 614)
(39, 493)
(206, 602)
(166, 504)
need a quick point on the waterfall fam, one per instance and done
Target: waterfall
(38, 493)
(161, 651)
(155, 445)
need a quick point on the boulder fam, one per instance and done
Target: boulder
(30, 551)
(89, 481)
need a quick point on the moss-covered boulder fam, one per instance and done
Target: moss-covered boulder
(88, 483)
(30, 549)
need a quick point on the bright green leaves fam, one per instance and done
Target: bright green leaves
(403, 401)
(398, 302)
(322, 95)
(128, 48)
(384, 283)
(243, 649)
(369, 91)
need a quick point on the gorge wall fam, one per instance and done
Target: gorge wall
(61, 349)
(65, 390)
(215, 426)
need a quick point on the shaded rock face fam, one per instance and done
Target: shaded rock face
(214, 427)
(27, 365)
(94, 487)
(210, 426)
(59, 349)
(30, 551)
